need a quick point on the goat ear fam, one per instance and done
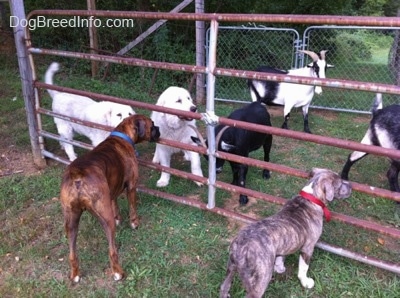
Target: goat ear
(227, 147)
(310, 64)
(196, 140)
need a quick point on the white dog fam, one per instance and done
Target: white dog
(84, 108)
(175, 128)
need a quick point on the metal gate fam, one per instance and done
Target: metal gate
(248, 47)
(358, 53)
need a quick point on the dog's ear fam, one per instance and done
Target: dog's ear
(315, 171)
(105, 110)
(327, 185)
(140, 125)
(323, 188)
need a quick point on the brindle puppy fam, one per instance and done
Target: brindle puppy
(94, 181)
(260, 248)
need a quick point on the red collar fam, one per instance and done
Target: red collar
(317, 201)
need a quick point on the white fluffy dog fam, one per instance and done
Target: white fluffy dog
(84, 108)
(175, 128)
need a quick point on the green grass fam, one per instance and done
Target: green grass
(180, 251)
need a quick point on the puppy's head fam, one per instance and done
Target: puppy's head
(328, 185)
(177, 98)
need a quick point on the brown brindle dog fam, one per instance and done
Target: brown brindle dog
(261, 247)
(94, 181)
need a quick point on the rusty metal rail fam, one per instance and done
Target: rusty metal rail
(244, 74)
(257, 18)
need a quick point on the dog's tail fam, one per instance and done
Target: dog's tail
(48, 77)
(377, 104)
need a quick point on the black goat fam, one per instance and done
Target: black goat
(384, 131)
(241, 142)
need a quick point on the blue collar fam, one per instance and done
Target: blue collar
(123, 136)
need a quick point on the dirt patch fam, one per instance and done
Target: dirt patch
(7, 44)
(13, 160)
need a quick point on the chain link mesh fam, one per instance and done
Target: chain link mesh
(358, 53)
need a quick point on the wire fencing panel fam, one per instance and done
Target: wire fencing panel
(358, 54)
(248, 47)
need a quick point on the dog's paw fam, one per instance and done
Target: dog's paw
(186, 156)
(279, 268)
(243, 200)
(135, 224)
(117, 276)
(76, 279)
(307, 282)
(162, 183)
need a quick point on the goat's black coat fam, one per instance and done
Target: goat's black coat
(271, 87)
(386, 122)
(242, 142)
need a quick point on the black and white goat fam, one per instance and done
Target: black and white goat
(241, 142)
(288, 94)
(384, 131)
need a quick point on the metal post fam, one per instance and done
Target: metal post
(200, 52)
(212, 56)
(18, 10)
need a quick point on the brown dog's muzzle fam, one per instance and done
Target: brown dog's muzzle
(155, 133)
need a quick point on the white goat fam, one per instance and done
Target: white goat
(288, 94)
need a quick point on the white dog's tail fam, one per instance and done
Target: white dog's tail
(48, 77)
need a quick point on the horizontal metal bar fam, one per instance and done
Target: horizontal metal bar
(318, 139)
(133, 103)
(374, 191)
(74, 119)
(120, 60)
(389, 266)
(58, 138)
(327, 82)
(268, 18)
(55, 157)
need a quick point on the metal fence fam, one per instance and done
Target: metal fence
(358, 53)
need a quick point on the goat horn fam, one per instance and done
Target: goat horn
(313, 55)
(219, 135)
(322, 53)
